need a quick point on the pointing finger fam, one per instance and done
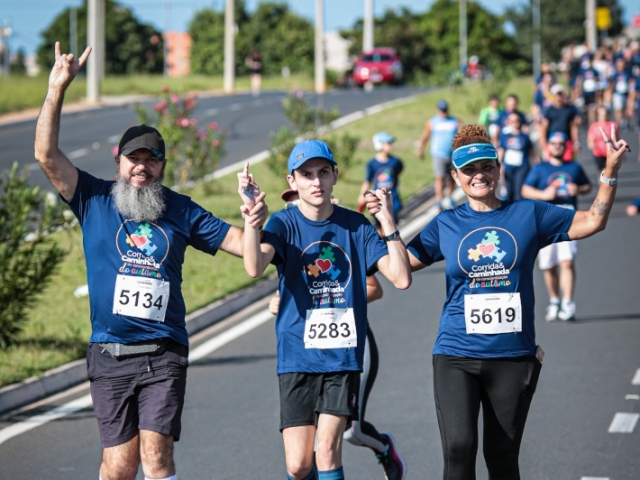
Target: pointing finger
(84, 56)
(57, 50)
(613, 134)
(246, 168)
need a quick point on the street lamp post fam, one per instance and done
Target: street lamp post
(319, 49)
(463, 32)
(229, 47)
(537, 55)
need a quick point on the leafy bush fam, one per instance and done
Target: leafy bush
(28, 255)
(309, 122)
(191, 151)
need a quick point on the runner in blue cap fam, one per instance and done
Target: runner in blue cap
(323, 253)
(485, 353)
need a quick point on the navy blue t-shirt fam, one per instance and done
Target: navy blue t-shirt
(560, 119)
(544, 174)
(504, 116)
(385, 175)
(117, 248)
(321, 264)
(590, 79)
(489, 253)
(517, 147)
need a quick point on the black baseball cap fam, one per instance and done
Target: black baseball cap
(142, 136)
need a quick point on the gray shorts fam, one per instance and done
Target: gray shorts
(441, 166)
(305, 395)
(127, 397)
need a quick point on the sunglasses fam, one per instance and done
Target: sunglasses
(562, 144)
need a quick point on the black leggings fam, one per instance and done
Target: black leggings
(504, 388)
(363, 433)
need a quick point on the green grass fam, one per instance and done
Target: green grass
(19, 92)
(58, 327)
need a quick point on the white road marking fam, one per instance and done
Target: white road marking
(211, 112)
(78, 153)
(632, 396)
(113, 139)
(594, 478)
(235, 106)
(85, 402)
(38, 420)
(636, 378)
(624, 422)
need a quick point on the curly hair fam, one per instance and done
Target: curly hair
(468, 134)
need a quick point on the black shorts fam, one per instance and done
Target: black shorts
(589, 98)
(305, 395)
(127, 397)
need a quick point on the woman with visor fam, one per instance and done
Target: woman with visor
(485, 352)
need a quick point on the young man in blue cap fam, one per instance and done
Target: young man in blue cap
(441, 129)
(323, 253)
(382, 171)
(559, 183)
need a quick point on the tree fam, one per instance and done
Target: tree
(281, 37)
(28, 255)
(19, 66)
(561, 24)
(131, 46)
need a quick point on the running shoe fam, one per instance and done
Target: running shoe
(395, 468)
(567, 311)
(552, 312)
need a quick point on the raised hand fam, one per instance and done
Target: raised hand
(615, 149)
(379, 203)
(247, 187)
(66, 67)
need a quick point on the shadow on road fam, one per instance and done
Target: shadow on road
(607, 317)
(238, 360)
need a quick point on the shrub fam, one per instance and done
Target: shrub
(191, 151)
(28, 254)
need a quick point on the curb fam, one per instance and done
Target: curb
(66, 376)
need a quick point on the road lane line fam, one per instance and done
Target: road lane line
(78, 153)
(624, 422)
(38, 420)
(85, 402)
(594, 478)
(211, 112)
(636, 378)
(229, 335)
(234, 107)
(113, 139)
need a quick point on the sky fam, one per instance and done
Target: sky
(29, 17)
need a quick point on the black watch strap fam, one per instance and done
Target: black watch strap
(393, 236)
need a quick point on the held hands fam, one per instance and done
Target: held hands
(379, 204)
(615, 149)
(66, 67)
(254, 209)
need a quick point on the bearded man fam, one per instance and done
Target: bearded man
(135, 233)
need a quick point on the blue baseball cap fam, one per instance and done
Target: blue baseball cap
(442, 105)
(472, 153)
(380, 138)
(308, 150)
(561, 135)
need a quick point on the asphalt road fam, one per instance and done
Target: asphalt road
(591, 375)
(87, 137)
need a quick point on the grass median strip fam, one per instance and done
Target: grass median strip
(59, 327)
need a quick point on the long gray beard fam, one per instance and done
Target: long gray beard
(145, 204)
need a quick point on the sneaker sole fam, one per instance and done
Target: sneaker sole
(392, 440)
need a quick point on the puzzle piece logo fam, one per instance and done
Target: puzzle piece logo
(142, 245)
(488, 248)
(327, 268)
(142, 239)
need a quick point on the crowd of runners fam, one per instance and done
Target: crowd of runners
(327, 258)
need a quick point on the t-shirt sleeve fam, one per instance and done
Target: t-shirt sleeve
(503, 141)
(399, 167)
(275, 235)
(206, 231)
(375, 248)
(369, 172)
(426, 245)
(553, 223)
(532, 178)
(86, 187)
(582, 178)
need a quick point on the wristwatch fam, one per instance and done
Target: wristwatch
(394, 235)
(608, 181)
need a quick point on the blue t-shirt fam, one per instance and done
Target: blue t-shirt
(622, 82)
(560, 119)
(543, 101)
(385, 175)
(517, 147)
(504, 116)
(321, 264)
(590, 78)
(488, 253)
(443, 129)
(115, 247)
(544, 174)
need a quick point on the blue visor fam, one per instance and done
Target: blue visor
(472, 153)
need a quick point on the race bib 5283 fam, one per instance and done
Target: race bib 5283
(330, 328)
